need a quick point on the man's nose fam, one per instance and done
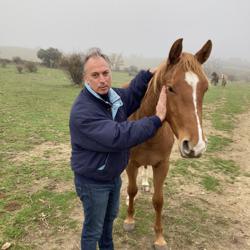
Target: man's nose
(102, 78)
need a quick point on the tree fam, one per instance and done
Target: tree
(132, 70)
(212, 66)
(50, 57)
(116, 61)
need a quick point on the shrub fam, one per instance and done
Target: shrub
(19, 68)
(73, 66)
(31, 67)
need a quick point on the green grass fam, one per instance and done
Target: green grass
(227, 102)
(120, 78)
(182, 167)
(35, 109)
(212, 173)
(217, 143)
(226, 167)
(210, 183)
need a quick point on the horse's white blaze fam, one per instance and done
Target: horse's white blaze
(192, 79)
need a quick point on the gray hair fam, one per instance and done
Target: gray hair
(94, 52)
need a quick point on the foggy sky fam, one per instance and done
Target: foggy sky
(141, 27)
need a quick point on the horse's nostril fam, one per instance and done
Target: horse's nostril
(185, 146)
(192, 153)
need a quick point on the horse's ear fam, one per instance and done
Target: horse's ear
(175, 52)
(203, 54)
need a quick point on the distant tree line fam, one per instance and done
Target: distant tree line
(4, 62)
(72, 64)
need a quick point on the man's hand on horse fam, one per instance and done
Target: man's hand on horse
(153, 70)
(161, 107)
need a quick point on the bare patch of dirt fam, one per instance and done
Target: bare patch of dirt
(12, 206)
(62, 187)
(54, 241)
(46, 183)
(209, 130)
(2, 195)
(235, 200)
(47, 150)
(77, 212)
(39, 185)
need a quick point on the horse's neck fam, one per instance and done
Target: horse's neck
(149, 102)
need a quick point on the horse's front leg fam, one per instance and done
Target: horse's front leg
(132, 171)
(159, 173)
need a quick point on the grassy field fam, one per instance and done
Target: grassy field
(36, 194)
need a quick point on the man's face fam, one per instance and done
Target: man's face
(98, 75)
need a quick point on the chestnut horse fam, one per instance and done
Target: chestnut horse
(186, 84)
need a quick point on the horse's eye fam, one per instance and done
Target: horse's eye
(170, 89)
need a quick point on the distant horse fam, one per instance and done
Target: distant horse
(186, 84)
(215, 78)
(223, 80)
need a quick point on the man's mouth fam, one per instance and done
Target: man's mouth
(105, 87)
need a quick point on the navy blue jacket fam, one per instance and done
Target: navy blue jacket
(101, 136)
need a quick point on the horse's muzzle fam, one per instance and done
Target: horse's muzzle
(188, 151)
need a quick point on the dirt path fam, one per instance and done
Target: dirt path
(236, 197)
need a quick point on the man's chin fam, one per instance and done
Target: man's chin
(103, 92)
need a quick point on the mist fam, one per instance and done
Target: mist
(131, 27)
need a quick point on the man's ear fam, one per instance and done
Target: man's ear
(85, 78)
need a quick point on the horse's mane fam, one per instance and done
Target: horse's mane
(187, 63)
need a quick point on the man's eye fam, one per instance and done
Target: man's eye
(106, 73)
(95, 75)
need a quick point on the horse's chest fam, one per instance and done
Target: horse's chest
(145, 156)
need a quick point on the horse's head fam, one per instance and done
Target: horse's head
(186, 85)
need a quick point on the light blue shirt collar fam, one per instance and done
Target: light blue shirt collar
(114, 99)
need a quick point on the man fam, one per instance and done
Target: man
(101, 138)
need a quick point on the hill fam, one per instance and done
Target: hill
(24, 53)
(236, 68)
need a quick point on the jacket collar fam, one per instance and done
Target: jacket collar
(114, 98)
